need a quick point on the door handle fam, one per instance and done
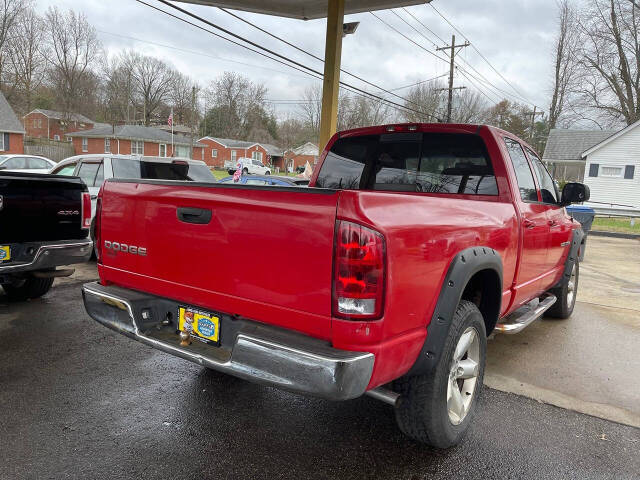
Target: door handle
(200, 216)
(529, 224)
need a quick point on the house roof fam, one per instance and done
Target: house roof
(134, 132)
(230, 143)
(568, 145)
(307, 149)
(9, 122)
(272, 150)
(611, 138)
(61, 115)
(176, 128)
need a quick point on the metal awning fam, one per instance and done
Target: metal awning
(303, 9)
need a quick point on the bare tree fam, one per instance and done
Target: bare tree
(75, 50)
(10, 11)
(565, 61)
(427, 99)
(310, 110)
(180, 97)
(609, 59)
(27, 55)
(360, 111)
(152, 81)
(468, 107)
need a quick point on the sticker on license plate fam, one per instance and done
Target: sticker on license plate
(202, 325)
(5, 253)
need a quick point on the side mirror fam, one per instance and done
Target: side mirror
(575, 193)
(2, 167)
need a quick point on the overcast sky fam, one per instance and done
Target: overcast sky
(516, 36)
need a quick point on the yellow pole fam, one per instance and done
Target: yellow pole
(331, 83)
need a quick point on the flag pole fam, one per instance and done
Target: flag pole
(173, 152)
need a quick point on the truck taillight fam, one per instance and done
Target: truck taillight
(96, 230)
(358, 272)
(86, 210)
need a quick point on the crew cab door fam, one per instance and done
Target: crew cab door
(534, 227)
(558, 221)
(91, 171)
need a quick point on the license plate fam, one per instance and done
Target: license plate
(201, 325)
(5, 253)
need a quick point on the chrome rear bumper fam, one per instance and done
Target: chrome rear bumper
(51, 254)
(249, 350)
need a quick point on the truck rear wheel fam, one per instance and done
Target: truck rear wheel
(566, 295)
(437, 408)
(29, 288)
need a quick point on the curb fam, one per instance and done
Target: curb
(543, 395)
(602, 233)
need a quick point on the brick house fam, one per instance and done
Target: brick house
(54, 125)
(134, 139)
(11, 131)
(298, 157)
(217, 151)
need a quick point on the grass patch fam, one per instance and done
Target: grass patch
(616, 224)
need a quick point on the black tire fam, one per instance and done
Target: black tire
(30, 288)
(267, 172)
(422, 411)
(231, 172)
(563, 308)
(245, 171)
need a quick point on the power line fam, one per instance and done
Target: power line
(281, 58)
(481, 55)
(419, 83)
(425, 27)
(313, 55)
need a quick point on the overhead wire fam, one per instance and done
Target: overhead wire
(283, 59)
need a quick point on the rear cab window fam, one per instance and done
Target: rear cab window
(444, 163)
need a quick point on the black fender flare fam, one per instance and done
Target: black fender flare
(464, 265)
(574, 256)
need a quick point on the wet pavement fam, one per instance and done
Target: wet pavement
(80, 401)
(590, 361)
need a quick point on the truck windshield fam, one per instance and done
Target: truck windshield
(410, 162)
(126, 168)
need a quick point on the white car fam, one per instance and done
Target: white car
(250, 165)
(25, 163)
(95, 168)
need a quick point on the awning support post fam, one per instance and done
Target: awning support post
(331, 83)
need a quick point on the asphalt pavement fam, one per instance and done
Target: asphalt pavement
(80, 401)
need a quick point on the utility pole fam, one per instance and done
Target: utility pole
(452, 54)
(193, 109)
(533, 121)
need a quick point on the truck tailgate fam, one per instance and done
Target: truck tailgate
(265, 254)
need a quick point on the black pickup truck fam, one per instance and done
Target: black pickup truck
(44, 224)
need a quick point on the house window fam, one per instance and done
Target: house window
(257, 156)
(162, 151)
(214, 153)
(85, 144)
(137, 147)
(1, 141)
(56, 138)
(37, 123)
(234, 155)
(107, 145)
(611, 171)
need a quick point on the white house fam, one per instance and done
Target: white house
(612, 169)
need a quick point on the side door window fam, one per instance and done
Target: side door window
(548, 190)
(65, 170)
(37, 163)
(524, 175)
(15, 163)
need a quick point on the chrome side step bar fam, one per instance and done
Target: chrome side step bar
(525, 315)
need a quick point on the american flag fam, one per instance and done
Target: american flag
(170, 121)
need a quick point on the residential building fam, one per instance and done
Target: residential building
(298, 157)
(134, 139)
(612, 170)
(11, 130)
(55, 125)
(217, 151)
(563, 152)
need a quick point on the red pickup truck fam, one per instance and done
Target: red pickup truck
(411, 245)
